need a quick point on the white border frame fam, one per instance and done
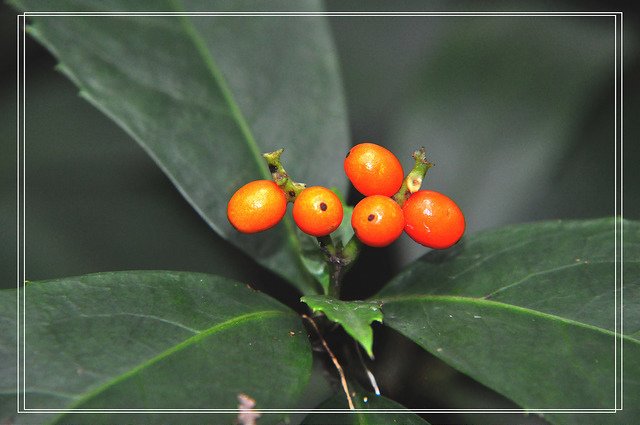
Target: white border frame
(21, 196)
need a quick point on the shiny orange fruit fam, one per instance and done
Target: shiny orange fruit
(256, 206)
(377, 220)
(433, 219)
(317, 211)
(373, 170)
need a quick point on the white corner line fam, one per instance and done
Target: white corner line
(21, 216)
(621, 209)
(23, 182)
(18, 133)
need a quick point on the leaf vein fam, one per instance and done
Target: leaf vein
(489, 257)
(542, 273)
(235, 321)
(144, 316)
(498, 304)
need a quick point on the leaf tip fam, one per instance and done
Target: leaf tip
(369, 350)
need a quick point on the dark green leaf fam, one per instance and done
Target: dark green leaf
(97, 202)
(354, 316)
(363, 400)
(319, 388)
(205, 95)
(152, 340)
(529, 311)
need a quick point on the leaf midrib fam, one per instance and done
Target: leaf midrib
(220, 81)
(235, 321)
(236, 113)
(513, 308)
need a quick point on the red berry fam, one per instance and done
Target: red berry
(256, 206)
(377, 220)
(317, 211)
(433, 219)
(373, 170)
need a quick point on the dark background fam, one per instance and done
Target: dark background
(516, 112)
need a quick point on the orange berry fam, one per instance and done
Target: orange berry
(317, 211)
(433, 219)
(373, 170)
(256, 206)
(377, 220)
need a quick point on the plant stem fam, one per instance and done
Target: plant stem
(281, 177)
(413, 181)
(340, 259)
(335, 280)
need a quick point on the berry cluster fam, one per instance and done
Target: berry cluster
(392, 203)
(429, 218)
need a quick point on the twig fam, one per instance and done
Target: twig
(343, 379)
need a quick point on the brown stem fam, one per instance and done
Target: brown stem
(343, 379)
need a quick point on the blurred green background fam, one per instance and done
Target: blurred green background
(516, 112)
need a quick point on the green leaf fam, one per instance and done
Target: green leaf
(363, 400)
(530, 312)
(152, 340)
(204, 96)
(354, 316)
(98, 202)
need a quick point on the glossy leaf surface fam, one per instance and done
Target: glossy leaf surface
(152, 340)
(530, 312)
(355, 317)
(199, 107)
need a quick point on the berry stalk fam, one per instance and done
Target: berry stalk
(280, 176)
(339, 258)
(413, 181)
